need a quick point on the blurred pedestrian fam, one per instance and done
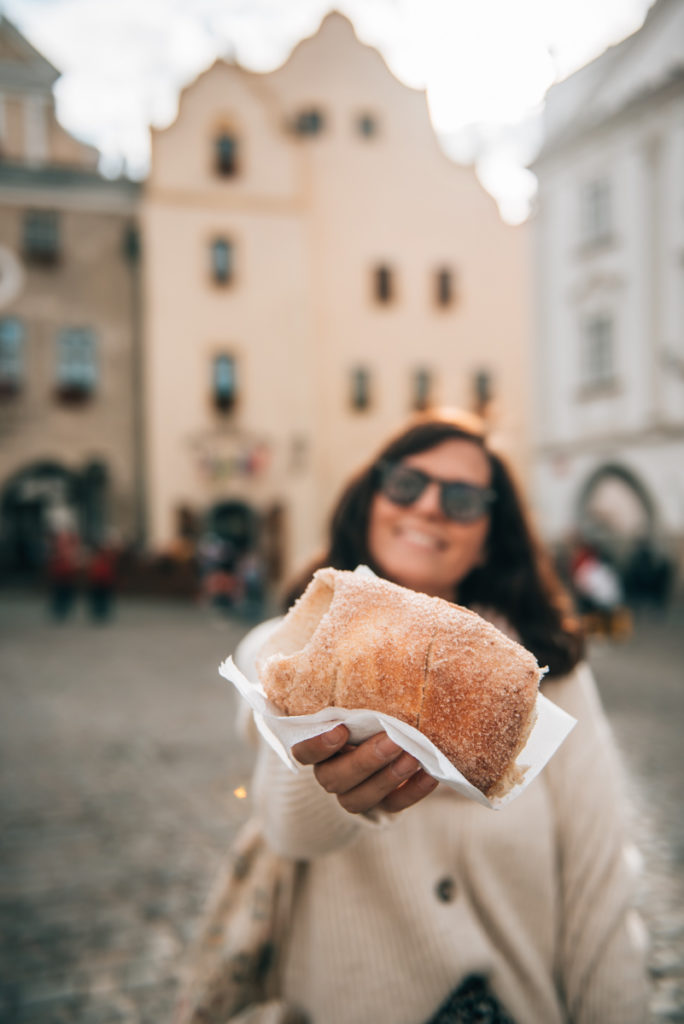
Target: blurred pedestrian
(63, 564)
(253, 584)
(648, 577)
(220, 583)
(101, 568)
(598, 589)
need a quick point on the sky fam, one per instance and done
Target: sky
(485, 64)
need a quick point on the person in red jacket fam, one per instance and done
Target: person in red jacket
(63, 567)
(101, 581)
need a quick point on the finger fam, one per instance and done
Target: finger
(319, 748)
(414, 789)
(351, 768)
(378, 787)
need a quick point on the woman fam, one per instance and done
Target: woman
(450, 911)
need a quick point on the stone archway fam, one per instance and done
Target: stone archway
(615, 509)
(248, 531)
(31, 500)
(27, 500)
(236, 523)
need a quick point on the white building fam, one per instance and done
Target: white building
(609, 254)
(315, 268)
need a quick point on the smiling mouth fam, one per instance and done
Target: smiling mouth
(422, 540)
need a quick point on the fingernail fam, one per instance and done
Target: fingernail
(335, 736)
(386, 746)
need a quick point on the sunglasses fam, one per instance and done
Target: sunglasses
(464, 503)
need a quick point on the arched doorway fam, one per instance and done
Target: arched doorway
(34, 496)
(27, 499)
(246, 532)
(616, 510)
(236, 523)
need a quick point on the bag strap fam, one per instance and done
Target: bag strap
(290, 877)
(238, 956)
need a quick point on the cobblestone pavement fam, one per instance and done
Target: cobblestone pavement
(118, 766)
(642, 685)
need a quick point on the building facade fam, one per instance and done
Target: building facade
(70, 423)
(315, 269)
(609, 292)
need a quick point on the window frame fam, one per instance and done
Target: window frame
(483, 390)
(422, 388)
(596, 211)
(41, 237)
(12, 362)
(218, 277)
(231, 168)
(362, 121)
(445, 287)
(309, 122)
(360, 388)
(384, 284)
(77, 376)
(224, 403)
(598, 351)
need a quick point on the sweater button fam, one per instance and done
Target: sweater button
(445, 890)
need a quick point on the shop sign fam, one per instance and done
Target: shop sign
(220, 456)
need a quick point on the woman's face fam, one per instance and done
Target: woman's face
(416, 545)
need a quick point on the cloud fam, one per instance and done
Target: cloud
(124, 62)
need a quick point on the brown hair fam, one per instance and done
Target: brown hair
(517, 578)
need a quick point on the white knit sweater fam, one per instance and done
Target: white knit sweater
(392, 914)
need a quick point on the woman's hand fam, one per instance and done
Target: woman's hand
(375, 775)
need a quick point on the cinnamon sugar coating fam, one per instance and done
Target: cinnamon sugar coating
(358, 641)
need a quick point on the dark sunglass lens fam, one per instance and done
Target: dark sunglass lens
(464, 503)
(402, 485)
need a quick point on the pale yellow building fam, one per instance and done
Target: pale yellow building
(315, 268)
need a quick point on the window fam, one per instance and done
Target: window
(422, 388)
(309, 122)
(482, 386)
(226, 155)
(596, 220)
(76, 363)
(222, 264)
(224, 382)
(444, 292)
(41, 236)
(599, 368)
(366, 126)
(444, 287)
(11, 355)
(131, 244)
(384, 284)
(360, 388)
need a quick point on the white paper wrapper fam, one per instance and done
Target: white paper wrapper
(282, 732)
